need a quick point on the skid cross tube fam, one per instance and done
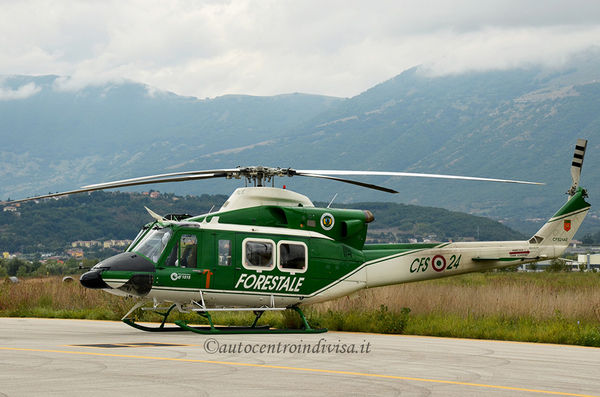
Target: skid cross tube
(258, 315)
(160, 328)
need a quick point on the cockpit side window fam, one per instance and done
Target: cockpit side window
(173, 258)
(184, 253)
(224, 252)
(189, 251)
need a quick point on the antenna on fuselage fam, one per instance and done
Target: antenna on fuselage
(331, 202)
(154, 215)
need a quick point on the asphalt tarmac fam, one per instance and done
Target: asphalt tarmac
(48, 357)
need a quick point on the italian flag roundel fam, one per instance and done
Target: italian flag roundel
(438, 263)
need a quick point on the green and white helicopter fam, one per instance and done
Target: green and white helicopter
(271, 249)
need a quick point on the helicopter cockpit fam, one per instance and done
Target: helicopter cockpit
(153, 243)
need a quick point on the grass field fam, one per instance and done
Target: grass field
(535, 307)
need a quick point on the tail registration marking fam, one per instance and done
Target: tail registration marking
(439, 263)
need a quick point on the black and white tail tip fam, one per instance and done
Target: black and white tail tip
(577, 164)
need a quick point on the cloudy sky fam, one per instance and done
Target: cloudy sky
(341, 48)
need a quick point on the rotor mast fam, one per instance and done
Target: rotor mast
(259, 176)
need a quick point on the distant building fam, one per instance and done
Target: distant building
(12, 209)
(154, 194)
(589, 261)
(75, 253)
(96, 243)
(116, 243)
(86, 244)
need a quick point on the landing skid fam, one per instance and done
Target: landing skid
(253, 329)
(160, 328)
(186, 327)
(212, 329)
(151, 329)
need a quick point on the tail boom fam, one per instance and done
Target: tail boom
(450, 259)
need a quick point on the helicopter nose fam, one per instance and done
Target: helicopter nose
(93, 280)
(127, 272)
(125, 262)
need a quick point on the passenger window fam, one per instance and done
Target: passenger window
(292, 256)
(188, 256)
(259, 254)
(224, 252)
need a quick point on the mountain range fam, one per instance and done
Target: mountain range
(517, 124)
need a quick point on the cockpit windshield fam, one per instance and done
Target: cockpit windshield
(137, 238)
(154, 243)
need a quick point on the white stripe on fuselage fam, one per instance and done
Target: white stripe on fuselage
(231, 227)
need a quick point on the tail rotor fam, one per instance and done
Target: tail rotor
(576, 165)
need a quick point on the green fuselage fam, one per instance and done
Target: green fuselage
(280, 256)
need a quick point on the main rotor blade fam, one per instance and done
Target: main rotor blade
(113, 185)
(151, 177)
(413, 174)
(367, 185)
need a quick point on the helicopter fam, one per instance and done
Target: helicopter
(270, 249)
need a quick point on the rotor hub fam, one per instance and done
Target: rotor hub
(259, 175)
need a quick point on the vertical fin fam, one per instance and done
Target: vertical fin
(561, 228)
